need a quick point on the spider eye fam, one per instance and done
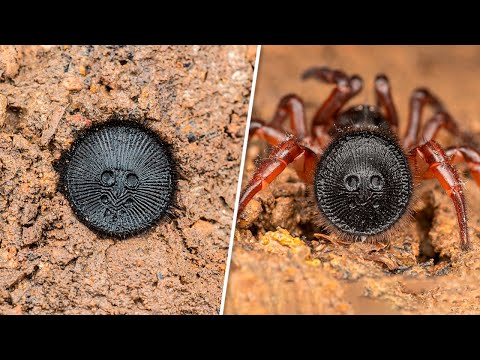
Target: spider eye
(107, 178)
(376, 182)
(352, 182)
(131, 181)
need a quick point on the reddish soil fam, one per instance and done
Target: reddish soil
(281, 261)
(196, 98)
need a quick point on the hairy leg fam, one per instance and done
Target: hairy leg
(418, 100)
(292, 106)
(270, 168)
(439, 166)
(270, 134)
(385, 100)
(346, 87)
(468, 154)
(441, 119)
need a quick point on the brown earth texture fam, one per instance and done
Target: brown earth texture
(196, 97)
(284, 264)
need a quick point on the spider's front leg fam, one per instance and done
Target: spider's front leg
(270, 168)
(270, 134)
(439, 166)
(346, 88)
(440, 119)
(468, 154)
(292, 106)
(289, 106)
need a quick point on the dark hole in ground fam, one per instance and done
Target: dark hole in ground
(33, 273)
(224, 202)
(139, 302)
(424, 219)
(14, 119)
(309, 230)
(9, 300)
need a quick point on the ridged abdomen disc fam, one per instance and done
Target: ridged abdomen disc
(119, 178)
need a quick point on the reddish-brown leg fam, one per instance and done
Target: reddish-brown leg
(292, 106)
(440, 120)
(270, 168)
(271, 135)
(418, 100)
(440, 167)
(469, 155)
(345, 89)
(385, 100)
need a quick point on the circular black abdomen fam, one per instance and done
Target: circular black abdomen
(363, 183)
(119, 178)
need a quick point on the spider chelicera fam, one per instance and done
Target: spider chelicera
(363, 175)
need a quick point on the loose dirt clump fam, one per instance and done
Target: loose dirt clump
(283, 263)
(196, 98)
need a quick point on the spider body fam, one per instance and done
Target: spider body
(363, 175)
(363, 182)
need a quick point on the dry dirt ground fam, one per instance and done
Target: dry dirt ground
(280, 262)
(196, 98)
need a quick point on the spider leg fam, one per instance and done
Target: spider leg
(439, 166)
(419, 98)
(270, 134)
(270, 168)
(468, 154)
(436, 122)
(346, 88)
(292, 106)
(384, 99)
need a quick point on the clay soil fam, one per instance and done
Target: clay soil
(196, 97)
(283, 263)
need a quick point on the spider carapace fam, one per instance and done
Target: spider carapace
(363, 174)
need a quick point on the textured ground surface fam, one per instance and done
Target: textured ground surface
(196, 97)
(298, 271)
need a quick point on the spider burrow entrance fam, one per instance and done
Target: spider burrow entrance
(119, 178)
